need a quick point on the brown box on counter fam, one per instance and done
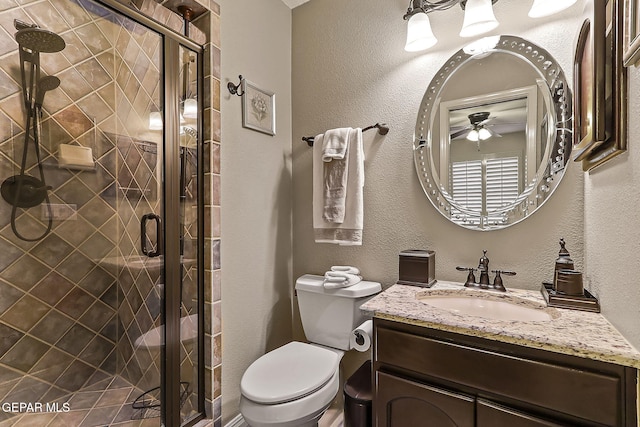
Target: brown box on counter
(417, 267)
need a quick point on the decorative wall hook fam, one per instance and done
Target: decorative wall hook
(234, 89)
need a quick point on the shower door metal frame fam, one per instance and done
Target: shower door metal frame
(170, 381)
(173, 271)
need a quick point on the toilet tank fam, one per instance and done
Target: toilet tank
(329, 315)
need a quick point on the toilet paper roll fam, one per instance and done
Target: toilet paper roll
(361, 336)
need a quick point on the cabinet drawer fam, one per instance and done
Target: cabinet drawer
(492, 415)
(403, 403)
(576, 392)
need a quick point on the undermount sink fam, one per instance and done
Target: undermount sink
(488, 306)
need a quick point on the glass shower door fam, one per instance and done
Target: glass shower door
(107, 283)
(139, 82)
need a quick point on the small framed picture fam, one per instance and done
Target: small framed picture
(631, 32)
(258, 108)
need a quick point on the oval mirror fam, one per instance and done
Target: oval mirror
(493, 135)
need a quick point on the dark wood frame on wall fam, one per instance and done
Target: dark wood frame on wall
(600, 87)
(631, 32)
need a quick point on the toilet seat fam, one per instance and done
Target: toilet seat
(302, 412)
(288, 373)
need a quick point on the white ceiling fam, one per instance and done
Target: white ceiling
(294, 3)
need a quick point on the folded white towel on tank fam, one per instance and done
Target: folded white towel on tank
(338, 279)
(345, 269)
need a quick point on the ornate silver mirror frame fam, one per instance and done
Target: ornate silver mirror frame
(554, 125)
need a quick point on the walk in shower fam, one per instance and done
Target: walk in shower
(101, 217)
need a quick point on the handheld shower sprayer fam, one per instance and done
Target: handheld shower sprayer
(23, 190)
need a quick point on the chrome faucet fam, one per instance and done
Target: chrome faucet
(483, 268)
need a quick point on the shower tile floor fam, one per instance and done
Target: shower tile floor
(106, 403)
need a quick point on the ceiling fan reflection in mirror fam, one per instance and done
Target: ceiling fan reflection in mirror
(478, 129)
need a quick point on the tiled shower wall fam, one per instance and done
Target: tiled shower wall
(62, 314)
(59, 305)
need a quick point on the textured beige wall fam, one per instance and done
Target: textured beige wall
(612, 229)
(350, 69)
(256, 192)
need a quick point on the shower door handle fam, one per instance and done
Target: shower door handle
(143, 235)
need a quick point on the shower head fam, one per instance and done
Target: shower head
(39, 40)
(45, 84)
(21, 25)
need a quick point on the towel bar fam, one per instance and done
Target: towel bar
(383, 129)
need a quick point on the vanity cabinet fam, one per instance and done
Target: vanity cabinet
(426, 377)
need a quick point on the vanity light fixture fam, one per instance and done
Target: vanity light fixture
(543, 8)
(478, 18)
(419, 33)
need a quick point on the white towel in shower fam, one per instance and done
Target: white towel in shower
(335, 150)
(349, 232)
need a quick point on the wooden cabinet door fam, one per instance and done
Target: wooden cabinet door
(492, 415)
(403, 403)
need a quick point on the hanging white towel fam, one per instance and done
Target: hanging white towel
(349, 232)
(334, 144)
(335, 150)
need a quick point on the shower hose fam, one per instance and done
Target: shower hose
(26, 191)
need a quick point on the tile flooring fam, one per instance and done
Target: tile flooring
(107, 403)
(332, 418)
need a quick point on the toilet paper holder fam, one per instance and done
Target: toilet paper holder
(361, 336)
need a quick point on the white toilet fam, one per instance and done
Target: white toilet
(293, 385)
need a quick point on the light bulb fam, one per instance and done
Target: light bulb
(473, 135)
(484, 133)
(478, 18)
(480, 46)
(419, 33)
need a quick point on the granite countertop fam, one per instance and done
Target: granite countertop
(573, 332)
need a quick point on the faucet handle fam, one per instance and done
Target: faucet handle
(471, 278)
(505, 272)
(497, 282)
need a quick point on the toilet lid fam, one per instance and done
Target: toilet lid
(289, 372)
